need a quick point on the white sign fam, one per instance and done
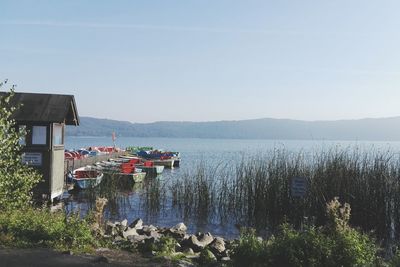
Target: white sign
(32, 158)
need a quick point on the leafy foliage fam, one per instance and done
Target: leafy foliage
(336, 244)
(351, 247)
(16, 179)
(30, 227)
(250, 249)
(165, 246)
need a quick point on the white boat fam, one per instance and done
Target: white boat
(87, 177)
(167, 163)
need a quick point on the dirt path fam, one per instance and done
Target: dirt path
(40, 257)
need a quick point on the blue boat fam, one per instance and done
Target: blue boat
(156, 154)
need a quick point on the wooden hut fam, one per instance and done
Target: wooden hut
(44, 117)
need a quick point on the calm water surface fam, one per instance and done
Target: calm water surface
(130, 201)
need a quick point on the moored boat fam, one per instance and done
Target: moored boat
(167, 163)
(87, 177)
(150, 169)
(177, 161)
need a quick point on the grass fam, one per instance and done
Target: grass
(32, 227)
(256, 191)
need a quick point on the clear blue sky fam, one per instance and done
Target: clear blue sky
(145, 61)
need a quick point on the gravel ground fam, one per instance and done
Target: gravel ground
(41, 257)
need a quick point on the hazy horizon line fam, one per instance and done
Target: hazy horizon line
(232, 120)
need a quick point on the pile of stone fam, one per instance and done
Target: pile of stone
(188, 246)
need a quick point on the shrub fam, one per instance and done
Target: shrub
(351, 247)
(16, 179)
(31, 227)
(165, 246)
(249, 249)
(299, 248)
(336, 244)
(207, 258)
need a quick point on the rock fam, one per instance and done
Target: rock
(154, 234)
(183, 263)
(111, 229)
(124, 223)
(137, 238)
(205, 239)
(196, 244)
(177, 234)
(178, 247)
(146, 229)
(225, 259)
(217, 246)
(129, 232)
(179, 227)
(137, 224)
(188, 251)
(122, 226)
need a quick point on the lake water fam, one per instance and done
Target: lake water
(130, 203)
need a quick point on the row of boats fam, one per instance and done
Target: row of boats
(135, 164)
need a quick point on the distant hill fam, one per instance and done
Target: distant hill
(383, 129)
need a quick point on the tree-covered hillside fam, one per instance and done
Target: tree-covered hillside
(364, 129)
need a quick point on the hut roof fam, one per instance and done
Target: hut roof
(44, 108)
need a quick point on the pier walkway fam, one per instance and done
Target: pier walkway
(72, 164)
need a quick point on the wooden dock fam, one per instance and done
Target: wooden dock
(71, 164)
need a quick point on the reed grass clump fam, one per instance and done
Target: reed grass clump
(256, 191)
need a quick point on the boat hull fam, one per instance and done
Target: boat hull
(86, 183)
(167, 163)
(151, 171)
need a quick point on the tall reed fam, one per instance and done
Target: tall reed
(257, 191)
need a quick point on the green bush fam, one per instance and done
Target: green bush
(207, 258)
(165, 246)
(300, 248)
(250, 250)
(351, 247)
(16, 179)
(336, 244)
(38, 227)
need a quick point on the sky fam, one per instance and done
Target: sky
(207, 60)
